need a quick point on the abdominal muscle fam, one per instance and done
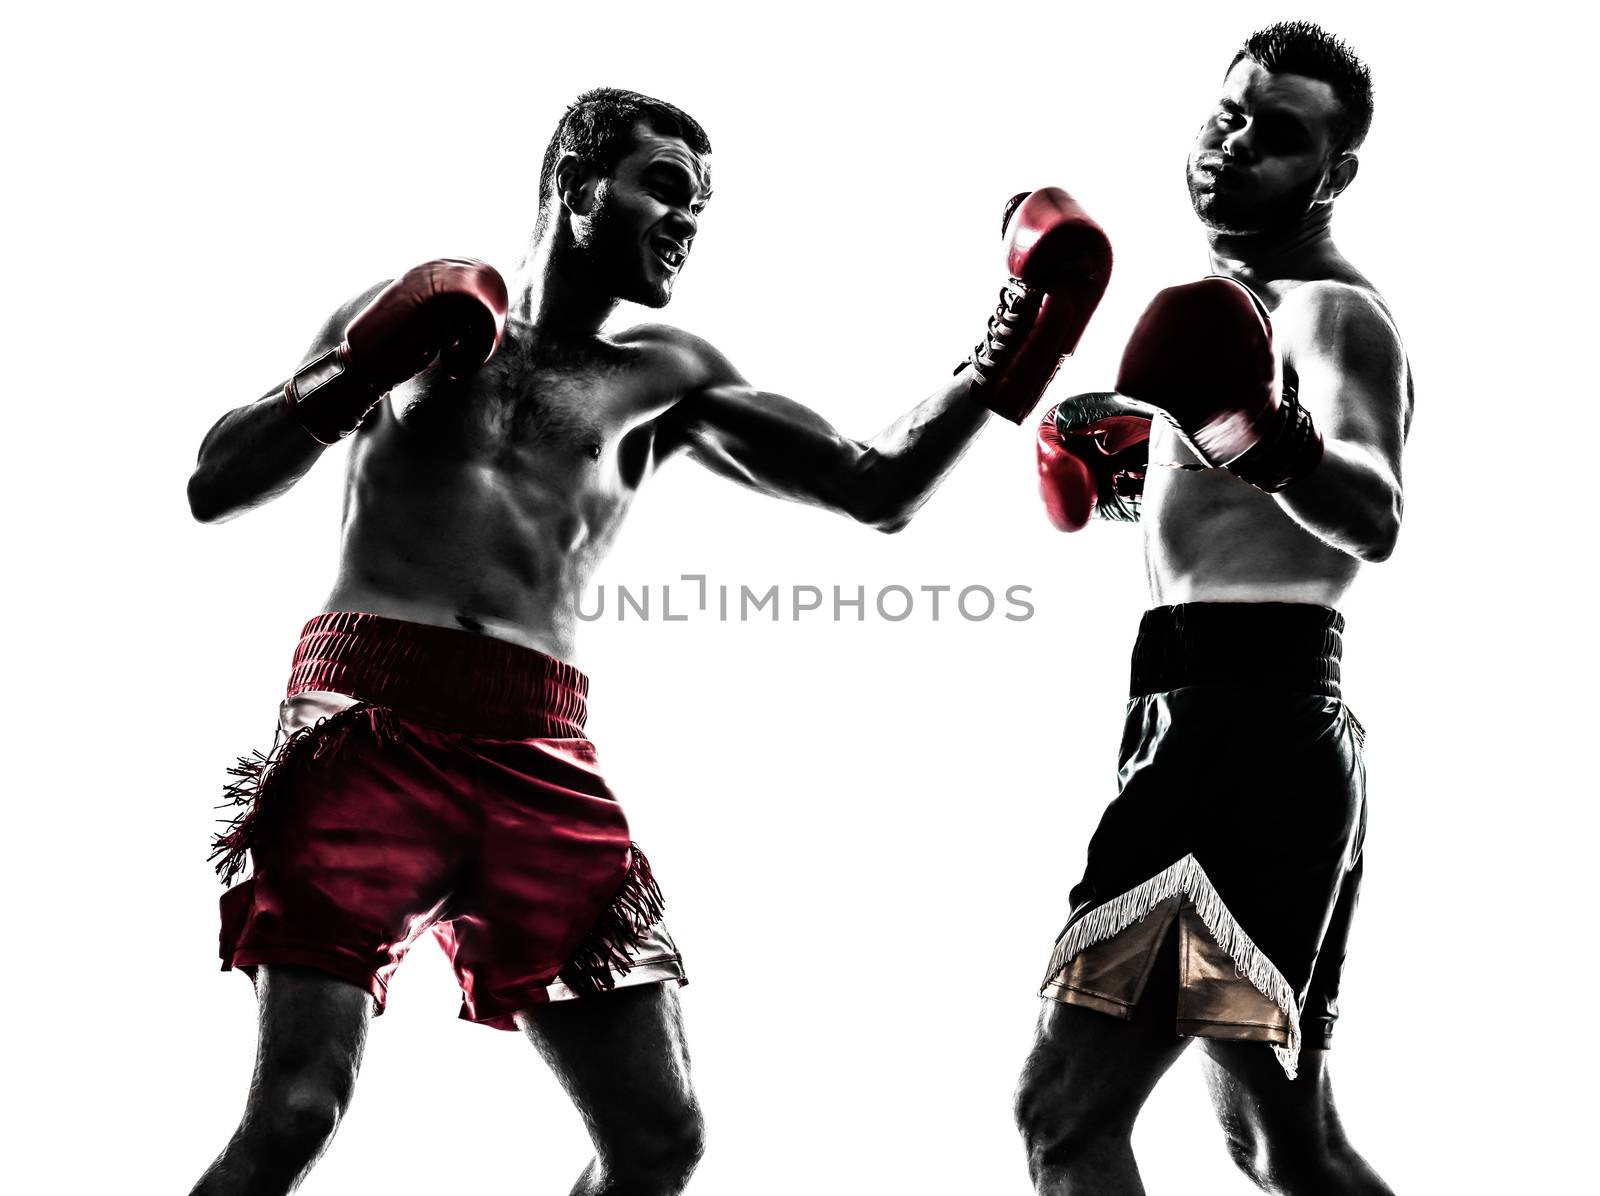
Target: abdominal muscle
(1211, 538)
(462, 545)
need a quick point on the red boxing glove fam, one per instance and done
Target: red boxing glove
(1093, 452)
(452, 308)
(1059, 263)
(1202, 353)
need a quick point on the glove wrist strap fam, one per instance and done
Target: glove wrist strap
(1289, 450)
(327, 399)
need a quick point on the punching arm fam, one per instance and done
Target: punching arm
(779, 447)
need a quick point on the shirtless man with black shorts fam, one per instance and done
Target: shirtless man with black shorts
(431, 770)
(1220, 883)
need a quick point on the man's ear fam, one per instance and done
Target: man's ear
(576, 186)
(1340, 175)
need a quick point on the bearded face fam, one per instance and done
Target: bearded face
(1262, 159)
(644, 218)
(1229, 200)
(609, 253)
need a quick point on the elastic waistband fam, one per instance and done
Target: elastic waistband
(456, 679)
(1263, 645)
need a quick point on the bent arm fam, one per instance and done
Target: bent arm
(256, 452)
(779, 447)
(1352, 376)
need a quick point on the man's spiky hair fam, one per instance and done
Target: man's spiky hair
(1301, 48)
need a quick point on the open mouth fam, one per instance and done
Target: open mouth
(670, 252)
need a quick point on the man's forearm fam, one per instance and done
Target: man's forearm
(251, 455)
(902, 465)
(1349, 501)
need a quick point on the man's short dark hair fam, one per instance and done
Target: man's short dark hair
(599, 125)
(1301, 48)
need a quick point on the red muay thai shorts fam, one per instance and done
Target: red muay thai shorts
(425, 778)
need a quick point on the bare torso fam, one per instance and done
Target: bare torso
(1210, 537)
(487, 503)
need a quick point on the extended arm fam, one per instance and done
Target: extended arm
(1058, 262)
(1352, 378)
(779, 447)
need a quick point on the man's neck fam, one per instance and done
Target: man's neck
(1301, 251)
(554, 295)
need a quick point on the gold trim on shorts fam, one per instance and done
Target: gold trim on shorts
(1214, 999)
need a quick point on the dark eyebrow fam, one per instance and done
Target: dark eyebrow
(667, 166)
(678, 175)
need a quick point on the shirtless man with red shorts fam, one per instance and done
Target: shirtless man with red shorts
(432, 770)
(1219, 887)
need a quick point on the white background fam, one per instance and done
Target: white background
(866, 831)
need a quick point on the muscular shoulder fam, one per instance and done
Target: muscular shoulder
(1327, 318)
(1340, 343)
(688, 368)
(693, 362)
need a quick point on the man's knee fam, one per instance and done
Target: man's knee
(1293, 1158)
(299, 1115)
(1247, 1149)
(1031, 1104)
(662, 1150)
(680, 1148)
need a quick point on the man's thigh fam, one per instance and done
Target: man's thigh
(621, 1056)
(1088, 1070)
(313, 1029)
(1255, 1101)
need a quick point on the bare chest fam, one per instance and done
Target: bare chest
(519, 407)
